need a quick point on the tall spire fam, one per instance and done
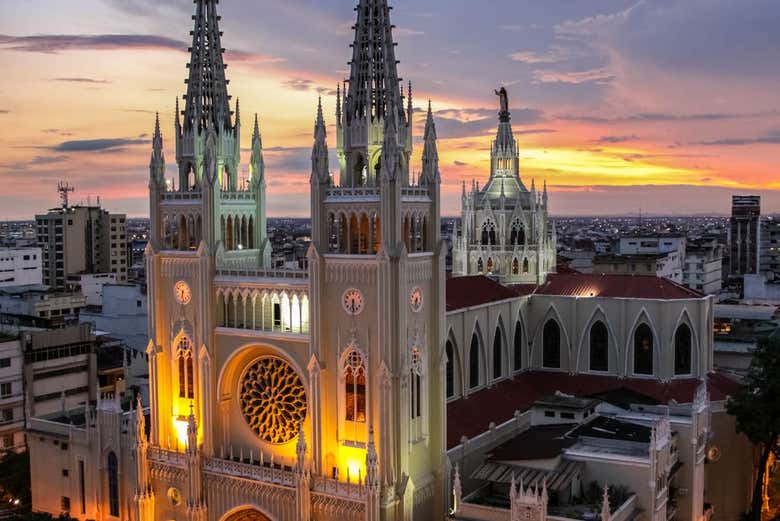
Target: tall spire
(157, 162)
(319, 152)
(207, 99)
(256, 162)
(430, 155)
(373, 77)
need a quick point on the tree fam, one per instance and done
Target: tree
(756, 407)
(15, 479)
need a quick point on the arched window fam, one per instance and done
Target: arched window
(480, 265)
(643, 350)
(113, 485)
(488, 233)
(517, 234)
(682, 350)
(186, 376)
(599, 347)
(518, 347)
(498, 354)
(525, 265)
(450, 376)
(474, 360)
(551, 345)
(490, 265)
(415, 401)
(515, 266)
(359, 173)
(355, 387)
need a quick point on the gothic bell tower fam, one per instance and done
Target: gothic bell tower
(376, 268)
(204, 219)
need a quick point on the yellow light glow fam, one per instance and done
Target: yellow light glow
(354, 471)
(180, 426)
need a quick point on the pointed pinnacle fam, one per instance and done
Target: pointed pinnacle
(238, 110)
(256, 133)
(320, 118)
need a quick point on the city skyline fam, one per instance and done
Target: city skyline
(620, 105)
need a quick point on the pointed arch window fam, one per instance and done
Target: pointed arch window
(355, 387)
(186, 375)
(474, 362)
(599, 347)
(490, 265)
(480, 265)
(498, 354)
(517, 233)
(515, 266)
(518, 347)
(488, 233)
(450, 374)
(551, 345)
(525, 265)
(682, 350)
(643, 350)
(113, 484)
(415, 401)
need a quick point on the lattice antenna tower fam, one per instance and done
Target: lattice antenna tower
(64, 188)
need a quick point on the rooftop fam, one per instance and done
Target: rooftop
(471, 416)
(615, 285)
(464, 292)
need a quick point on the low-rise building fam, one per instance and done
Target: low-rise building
(60, 369)
(703, 269)
(41, 301)
(91, 286)
(122, 314)
(11, 395)
(20, 266)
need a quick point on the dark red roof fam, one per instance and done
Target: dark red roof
(471, 416)
(464, 292)
(615, 286)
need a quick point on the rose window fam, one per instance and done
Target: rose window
(273, 400)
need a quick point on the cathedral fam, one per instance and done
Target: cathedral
(372, 384)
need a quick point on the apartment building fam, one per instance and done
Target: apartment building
(81, 239)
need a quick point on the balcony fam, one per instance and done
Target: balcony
(263, 301)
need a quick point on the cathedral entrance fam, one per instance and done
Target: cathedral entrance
(246, 514)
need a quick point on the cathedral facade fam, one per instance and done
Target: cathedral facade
(295, 395)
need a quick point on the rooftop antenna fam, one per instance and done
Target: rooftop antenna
(63, 188)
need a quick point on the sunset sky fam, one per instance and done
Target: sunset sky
(669, 106)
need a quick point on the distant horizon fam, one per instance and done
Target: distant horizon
(617, 104)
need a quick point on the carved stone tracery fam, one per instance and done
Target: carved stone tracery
(273, 399)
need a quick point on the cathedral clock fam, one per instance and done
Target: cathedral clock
(352, 302)
(181, 290)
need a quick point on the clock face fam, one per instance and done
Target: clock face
(182, 292)
(416, 299)
(352, 301)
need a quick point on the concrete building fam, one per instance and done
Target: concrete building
(744, 235)
(661, 256)
(90, 285)
(11, 395)
(123, 314)
(20, 266)
(703, 269)
(58, 307)
(81, 239)
(60, 369)
(769, 253)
